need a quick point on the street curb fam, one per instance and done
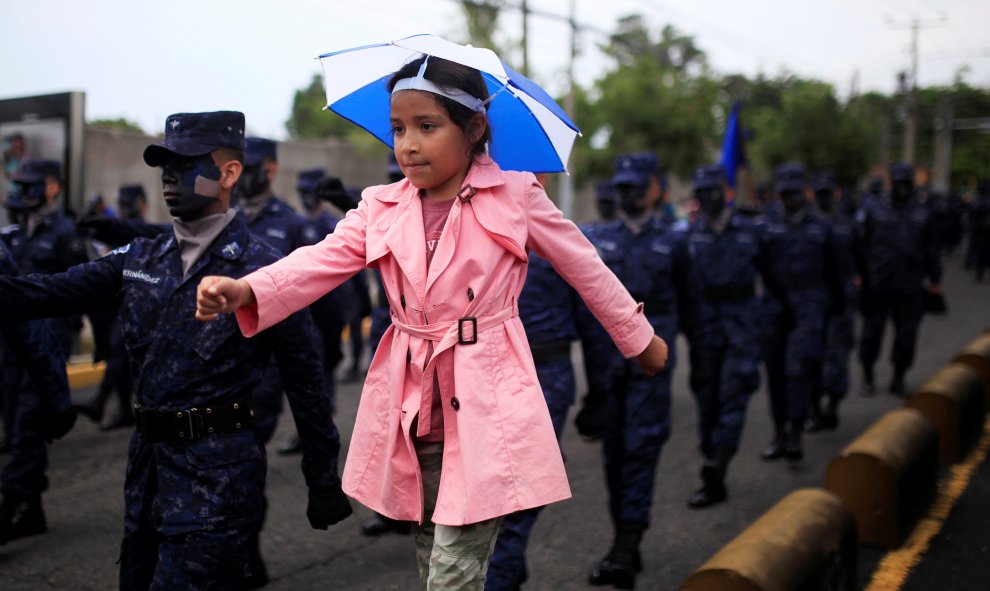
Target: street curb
(85, 374)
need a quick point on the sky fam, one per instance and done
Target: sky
(144, 60)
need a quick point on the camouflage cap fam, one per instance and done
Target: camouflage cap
(128, 194)
(790, 177)
(36, 170)
(823, 179)
(197, 134)
(901, 172)
(635, 169)
(708, 176)
(308, 179)
(259, 149)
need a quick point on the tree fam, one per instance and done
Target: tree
(309, 120)
(659, 98)
(118, 123)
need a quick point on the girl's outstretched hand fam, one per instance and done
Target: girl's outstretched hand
(653, 359)
(217, 295)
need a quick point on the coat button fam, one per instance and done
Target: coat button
(402, 301)
(470, 295)
(408, 356)
(455, 403)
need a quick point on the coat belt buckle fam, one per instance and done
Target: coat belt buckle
(473, 338)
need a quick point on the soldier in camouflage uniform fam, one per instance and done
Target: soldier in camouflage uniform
(43, 413)
(840, 337)
(196, 468)
(802, 257)
(548, 310)
(650, 259)
(901, 263)
(728, 254)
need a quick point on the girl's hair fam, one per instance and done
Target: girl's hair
(448, 74)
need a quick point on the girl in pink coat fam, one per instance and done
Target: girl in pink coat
(452, 430)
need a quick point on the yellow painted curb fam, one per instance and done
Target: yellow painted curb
(85, 374)
(895, 567)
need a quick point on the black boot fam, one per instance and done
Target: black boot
(377, 525)
(829, 419)
(792, 441)
(122, 420)
(775, 449)
(259, 572)
(814, 422)
(620, 567)
(713, 489)
(868, 388)
(93, 410)
(590, 420)
(897, 386)
(21, 516)
(290, 446)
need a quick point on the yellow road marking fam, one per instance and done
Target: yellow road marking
(895, 567)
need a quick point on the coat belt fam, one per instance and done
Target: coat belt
(446, 335)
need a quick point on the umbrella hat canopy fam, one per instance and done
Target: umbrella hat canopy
(529, 129)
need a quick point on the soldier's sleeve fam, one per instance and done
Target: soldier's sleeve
(293, 343)
(82, 288)
(688, 298)
(833, 274)
(35, 350)
(933, 260)
(771, 282)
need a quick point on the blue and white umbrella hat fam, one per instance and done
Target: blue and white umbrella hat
(530, 131)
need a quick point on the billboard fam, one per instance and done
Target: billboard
(45, 126)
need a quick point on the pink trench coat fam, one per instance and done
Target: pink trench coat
(500, 454)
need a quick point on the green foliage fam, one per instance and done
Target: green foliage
(309, 119)
(118, 123)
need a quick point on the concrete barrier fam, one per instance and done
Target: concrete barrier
(85, 374)
(954, 401)
(806, 541)
(976, 356)
(887, 476)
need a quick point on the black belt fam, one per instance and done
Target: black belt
(193, 423)
(654, 307)
(729, 294)
(551, 351)
(804, 282)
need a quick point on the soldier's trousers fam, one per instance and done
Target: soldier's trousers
(507, 570)
(722, 379)
(637, 425)
(24, 472)
(906, 310)
(266, 400)
(214, 560)
(449, 558)
(794, 358)
(840, 339)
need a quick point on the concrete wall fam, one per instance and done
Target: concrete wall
(114, 158)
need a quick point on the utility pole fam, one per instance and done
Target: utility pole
(567, 182)
(524, 8)
(943, 146)
(911, 94)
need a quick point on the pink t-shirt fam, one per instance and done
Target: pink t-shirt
(435, 215)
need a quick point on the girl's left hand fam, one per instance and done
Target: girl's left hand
(653, 359)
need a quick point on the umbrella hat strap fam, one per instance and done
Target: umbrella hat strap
(455, 94)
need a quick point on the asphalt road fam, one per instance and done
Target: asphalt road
(84, 504)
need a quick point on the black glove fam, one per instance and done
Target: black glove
(327, 506)
(95, 225)
(54, 424)
(331, 189)
(590, 420)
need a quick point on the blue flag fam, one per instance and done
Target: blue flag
(733, 152)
